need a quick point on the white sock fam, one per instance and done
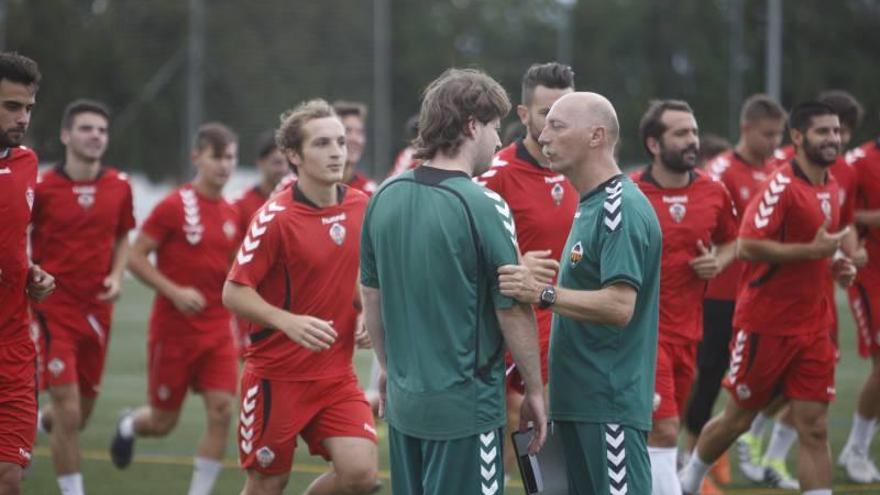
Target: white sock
(692, 475)
(41, 429)
(781, 440)
(126, 426)
(205, 472)
(861, 434)
(71, 484)
(820, 491)
(663, 476)
(759, 425)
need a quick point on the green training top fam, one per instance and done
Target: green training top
(601, 373)
(432, 243)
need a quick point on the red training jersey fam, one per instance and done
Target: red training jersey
(788, 298)
(363, 184)
(75, 228)
(197, 238)
(701, 211)
(304, 259)
(18, 179)
(742, 180)
(865, 161)
(247, 205)
(543, 203)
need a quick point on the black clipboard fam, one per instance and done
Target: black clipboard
(544, 473)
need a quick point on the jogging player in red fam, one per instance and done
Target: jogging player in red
(543, 203)
(864, 299)
(19, 79)
(699, 229)
(83, 212)
(294, 279)
(190, 345)
(742, 170)
(789, 234)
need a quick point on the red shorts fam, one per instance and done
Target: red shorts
(864, 301)
(274, 412)
(800, 367)
(73, 345)
(676, 369)
(18, 401)
(515, 382)
(175, 365)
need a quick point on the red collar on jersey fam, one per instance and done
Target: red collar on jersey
(523, 154)
(299, 197)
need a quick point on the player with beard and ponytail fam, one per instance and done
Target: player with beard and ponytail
(788, 236)
(699, 226)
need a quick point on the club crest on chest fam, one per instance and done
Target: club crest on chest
(337, 233)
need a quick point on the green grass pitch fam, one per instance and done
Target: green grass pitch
(164, 466)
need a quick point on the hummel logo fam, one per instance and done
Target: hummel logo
(247, 417)
(771, 197)
(503, 210)
(613, 213)
(489, 457)
(254, 236)
(616, 458)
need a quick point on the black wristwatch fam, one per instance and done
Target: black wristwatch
(547, 297)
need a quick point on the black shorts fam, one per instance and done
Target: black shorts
(714, 349)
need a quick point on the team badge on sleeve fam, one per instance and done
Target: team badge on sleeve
(337, 233)
(576, 254)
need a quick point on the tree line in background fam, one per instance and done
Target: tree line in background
(262, 57)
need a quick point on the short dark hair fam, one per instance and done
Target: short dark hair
(759, 107)
(712, 145)
(19, 69)
(266, 144)
(651, 125)
(551, 75)
(290, 134)
(845, 105)
(216, 136)
(83, 105)
(449, 102)
(344, 108)
(803, 113)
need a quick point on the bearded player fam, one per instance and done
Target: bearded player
(698, 223)
(83, 212)
(19, 80)
(190, 345)
(543, 203)
(298, 260)
(782, 345)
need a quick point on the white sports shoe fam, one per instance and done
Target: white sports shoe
(748, 448)
(859, 467)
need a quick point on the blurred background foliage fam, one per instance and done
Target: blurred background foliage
(263, 56)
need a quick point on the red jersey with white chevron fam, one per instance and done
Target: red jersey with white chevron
(75, 228)
(865, 161)
(742, 180)
(543, 203)
(304, 259)
(18, 178)
(363, 184)
(788, 298)
(247, 205)
(197, 238)
(701, 211)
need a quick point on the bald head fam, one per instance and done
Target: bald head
(588, 110)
